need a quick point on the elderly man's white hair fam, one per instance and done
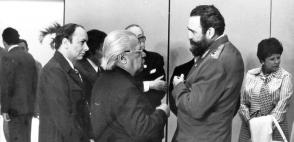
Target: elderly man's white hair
(116, 43)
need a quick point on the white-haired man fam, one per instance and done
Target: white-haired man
(119, 109)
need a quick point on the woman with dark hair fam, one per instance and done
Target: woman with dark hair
(267, 90)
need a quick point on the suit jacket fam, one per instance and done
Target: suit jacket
(2, 53)
(154, 69)
(181, 69)
(19, 81)
(89, 76)
(208, 99)
(62, 103)
(120, 112)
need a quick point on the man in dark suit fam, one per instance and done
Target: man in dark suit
(18, 82)
(153, 74)
(2, 53)
(181, 69)
(89, 66)
(62, 101)
(120, 112)
(207, 100)
(5, 127)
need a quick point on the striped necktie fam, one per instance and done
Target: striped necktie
(78, 74)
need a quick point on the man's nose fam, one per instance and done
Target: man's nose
(190, 35)
(86, 47)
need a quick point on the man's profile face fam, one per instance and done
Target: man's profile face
(140, 35)
(135, 57)
(78, 45)
(199, 43)
(98, 54)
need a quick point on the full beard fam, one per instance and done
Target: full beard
(199, 48)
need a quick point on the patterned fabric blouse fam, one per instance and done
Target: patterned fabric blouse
(279, 88)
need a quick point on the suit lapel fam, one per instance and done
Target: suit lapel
(65, 65)
(86, 70)
(74, 73)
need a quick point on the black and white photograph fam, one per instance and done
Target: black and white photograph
(146, 71)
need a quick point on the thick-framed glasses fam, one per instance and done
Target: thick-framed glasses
(142, 39)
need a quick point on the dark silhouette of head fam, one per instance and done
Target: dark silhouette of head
(10, 36)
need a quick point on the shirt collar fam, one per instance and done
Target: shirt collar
(69, 62)
(219, 36)
(12, 46)
(93, 64)
(218, 41)
(258, 72)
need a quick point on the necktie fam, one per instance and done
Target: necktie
(78, 74)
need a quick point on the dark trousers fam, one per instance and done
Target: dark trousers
(18, 129)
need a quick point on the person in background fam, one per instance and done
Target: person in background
(18, 88)
(5, 127)
(24, 44)
(153, 74)
(208, 99)
(267, 90)
(62, 100)
(89, 67)
(120, 112)
(2, 53)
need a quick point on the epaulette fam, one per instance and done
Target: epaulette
(215, 54)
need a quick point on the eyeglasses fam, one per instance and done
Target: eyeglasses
(142, 39)
(135, 51)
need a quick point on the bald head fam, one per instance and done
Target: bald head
(138, 31)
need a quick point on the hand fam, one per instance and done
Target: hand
(178, 79)
(92, 140)
(158, 84)
(6, 117)
(165, 108)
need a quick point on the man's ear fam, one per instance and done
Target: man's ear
(122, 59)
(210, 33)
(65, 41)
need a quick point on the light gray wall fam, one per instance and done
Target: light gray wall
(247, 22)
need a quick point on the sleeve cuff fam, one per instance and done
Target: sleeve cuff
(146, 86)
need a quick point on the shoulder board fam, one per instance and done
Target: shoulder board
(215, 54)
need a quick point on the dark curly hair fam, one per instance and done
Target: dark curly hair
(10, 36)
(95, 40)
(268, 47)
(209, 17)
